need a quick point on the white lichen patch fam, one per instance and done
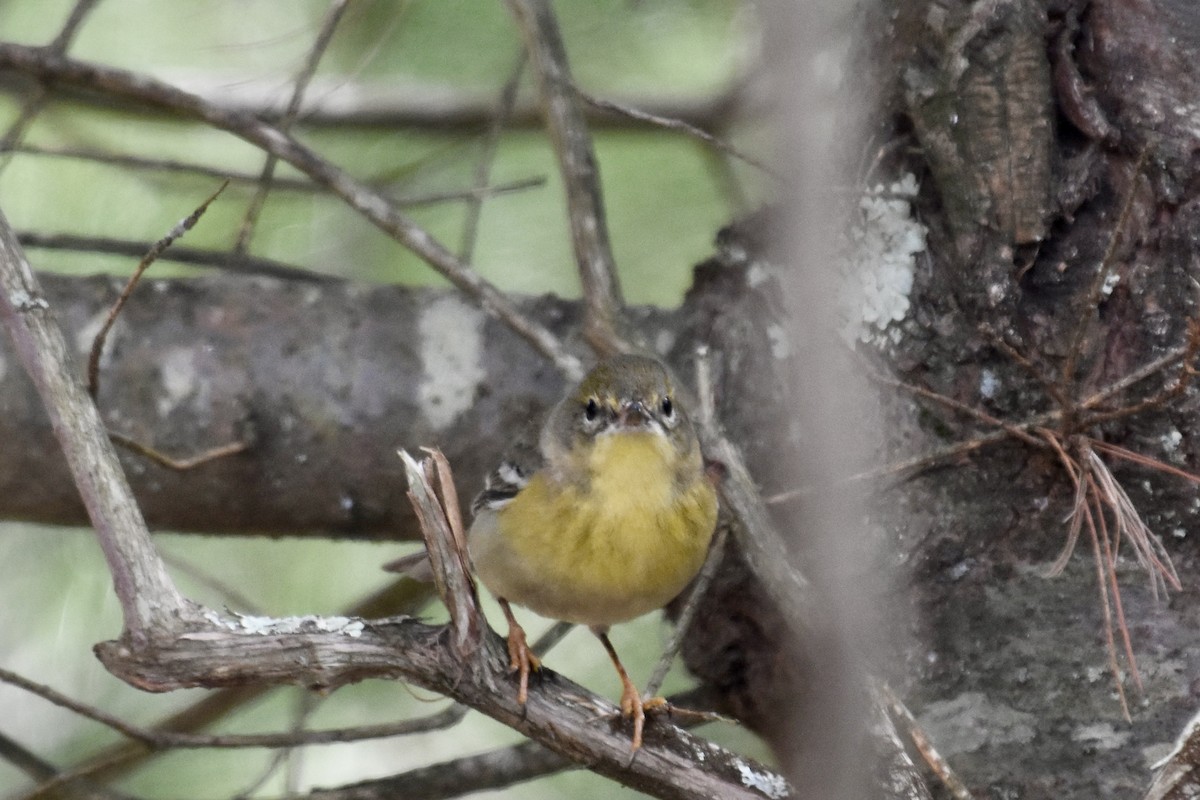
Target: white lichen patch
(768, 783)
(24, 301)
(879, 264)
(1101, 735)
(988, 384)
(1170, 445)
(781, 347)
(451, 337)
(1110, 282)
(179, 379)
(284, 626)
(3, 366)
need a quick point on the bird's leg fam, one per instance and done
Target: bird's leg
(520, 658)
(631, 700)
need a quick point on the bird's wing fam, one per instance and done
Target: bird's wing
(510, 476)
(520, 461)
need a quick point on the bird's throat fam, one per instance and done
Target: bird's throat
(630, 470)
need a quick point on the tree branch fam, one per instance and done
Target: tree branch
(559, 714)
(199, 362)
(149, 600)
(581, 177)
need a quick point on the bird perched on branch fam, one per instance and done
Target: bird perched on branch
(607, 518)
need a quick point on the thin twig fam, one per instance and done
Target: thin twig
(1051, 387)
(684, 621)
(24, 759)
(1110, 567)
(72, 776)
(677, 125)
(577, 162)
(290, 184)
(491, 142)
(1171, 391)
(553, 635)
(231, 596)
(217, 259)
(36, 101)
(1138, 375)
(1076, 474)
(133, 162)
(161, 740)
(495, 769)
(1106, 609)
(332, 17)
(1151, 554)
(941, 768)
(1145, 461)
(1089, 302)
(1015, 431)
(178, 464)
(181, 227)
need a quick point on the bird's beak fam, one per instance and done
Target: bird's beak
(633, 414)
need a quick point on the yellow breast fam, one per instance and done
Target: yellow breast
(610, 549)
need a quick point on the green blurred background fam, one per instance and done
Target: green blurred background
(666, 196)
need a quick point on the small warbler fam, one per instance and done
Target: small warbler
(607, 518)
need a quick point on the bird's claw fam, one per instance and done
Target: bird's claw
(635, 708)
(521, 660)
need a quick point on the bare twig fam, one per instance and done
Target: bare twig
(469, 194)
(250, 265)
(149, 600)
(495, 769)
(941, 768)
(1088, 305)
(684, 621)
(133, 162)
(677, 125)
(231, 596)
(577, 162)
(181, 227)
(178, 464)
(1015, 431)
(1090, 520)
(371, 204)
(166, 739)
(25, 760)
(36, 101)
(332, 17)
(491, 141)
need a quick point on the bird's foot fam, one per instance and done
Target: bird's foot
(521, 660)
(635, 708)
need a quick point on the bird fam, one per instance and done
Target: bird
(607, 516)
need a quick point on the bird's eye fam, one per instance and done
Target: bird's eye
(591, 410)
(668, 408)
